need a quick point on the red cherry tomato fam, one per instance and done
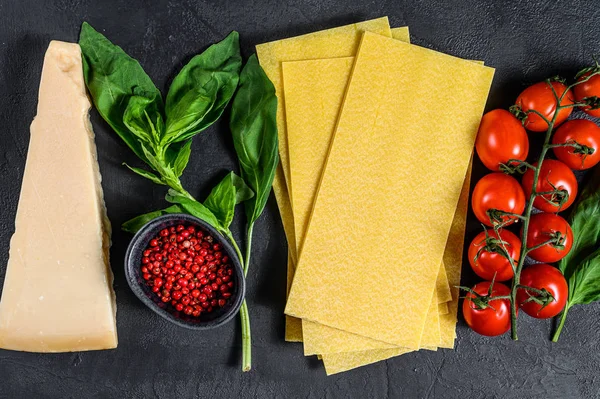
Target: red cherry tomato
(501, 137)
(542, 276)
(590, 88)
(539, 97)
(487, 257)
(493, 320)
(497, 191)
(583, 132)
(543, 227)
(553, 173)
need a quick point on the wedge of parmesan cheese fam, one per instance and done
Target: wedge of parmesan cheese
(58, 295)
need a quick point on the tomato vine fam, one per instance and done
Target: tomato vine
(521, 166)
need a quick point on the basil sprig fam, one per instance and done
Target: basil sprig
(159, 133)
(581, 266)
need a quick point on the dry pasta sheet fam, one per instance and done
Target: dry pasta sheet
(336, 42)
(392, 89)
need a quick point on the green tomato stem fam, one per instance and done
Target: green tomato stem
(527, 215)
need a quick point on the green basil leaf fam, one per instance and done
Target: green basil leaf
(143, 117)
(146, 174)
(584, 283)
(242, 191)
(221, 201)
(224, 196)
(254, 129)
(182, 158)
(112, 78)
(133, 225)
(194, 208)
(585, 223)
(202, 90)
(154, 162)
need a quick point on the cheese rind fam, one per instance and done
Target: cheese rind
(58, 295)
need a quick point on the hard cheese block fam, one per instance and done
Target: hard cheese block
(57, 295)
(336, 42)
(314, 90)
(373, 153)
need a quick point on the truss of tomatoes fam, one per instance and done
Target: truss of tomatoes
(499, 199)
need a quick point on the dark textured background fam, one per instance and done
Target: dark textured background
(525, 41)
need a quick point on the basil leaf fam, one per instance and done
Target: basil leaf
(148, 175)
(254, 131)
(242, 191)
(221, 201)
(112, 78)
(182, 158)
(143, 117)
(194, 208)
(202, 89)
(155, 163)
(585, 223)
(584, 283)
(224, 196)
(133, 225)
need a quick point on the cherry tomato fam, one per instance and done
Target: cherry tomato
(497, 191)
(590, 88)
(553, 173)
(491, 261)
(493, 320)
(543, 227)
(539, 97)
(501, 137)
(542, 276)
(583, 132)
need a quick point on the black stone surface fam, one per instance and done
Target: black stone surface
(525, 41)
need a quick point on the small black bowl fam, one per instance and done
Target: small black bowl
(133, 262)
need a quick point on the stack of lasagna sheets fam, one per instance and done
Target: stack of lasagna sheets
(375, 138)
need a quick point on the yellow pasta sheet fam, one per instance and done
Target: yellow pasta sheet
(308, 144)
(336, 42)
(443, 286)
(314, 91)
(443, 308)
(340, 362)
(453, 258)
(311, 145)
(370, 199)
